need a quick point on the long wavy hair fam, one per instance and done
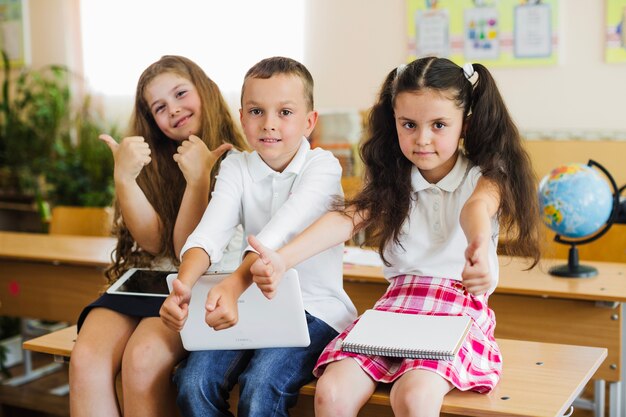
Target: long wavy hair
(491, 142)
(162, 180)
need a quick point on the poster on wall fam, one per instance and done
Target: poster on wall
(432, 32)
(504, 33)
(615, 50)
(532, 34)
(12, 31)
(480, 29)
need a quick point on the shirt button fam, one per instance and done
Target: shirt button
(436, 226)
(436, 206)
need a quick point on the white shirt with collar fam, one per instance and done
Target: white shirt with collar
(276, 206)
(433, 242)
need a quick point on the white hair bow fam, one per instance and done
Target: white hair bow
(468, 70)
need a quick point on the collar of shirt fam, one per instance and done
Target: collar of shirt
(448, 183)
(259, 169)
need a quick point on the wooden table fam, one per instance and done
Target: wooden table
(54, 276)
(534, 305)
(51, 277)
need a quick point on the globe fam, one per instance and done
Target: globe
(575, 200)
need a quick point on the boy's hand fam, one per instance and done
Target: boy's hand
(221, 307)
(175, 308)
(268, 269)
(195, 160)
(129, 156)
(476, 274)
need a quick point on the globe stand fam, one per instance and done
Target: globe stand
(573, 269)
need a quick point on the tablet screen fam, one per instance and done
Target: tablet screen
(142, 282)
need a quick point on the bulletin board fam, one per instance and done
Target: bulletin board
(615, 50)
(504, 33)
(12, 31)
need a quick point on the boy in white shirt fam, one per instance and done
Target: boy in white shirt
(274, 192)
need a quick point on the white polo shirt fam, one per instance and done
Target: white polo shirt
(433, 243)
(276, 206)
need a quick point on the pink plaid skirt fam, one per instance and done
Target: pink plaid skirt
(478, 365)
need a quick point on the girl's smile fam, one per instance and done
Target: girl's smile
(174, 103)
(183, 121)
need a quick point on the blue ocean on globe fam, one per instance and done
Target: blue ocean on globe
(575, 200)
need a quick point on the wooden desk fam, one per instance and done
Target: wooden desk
(54, 276)
(51, 277)
(534, 305)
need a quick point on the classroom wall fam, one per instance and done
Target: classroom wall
(352, 44)
(54, 33)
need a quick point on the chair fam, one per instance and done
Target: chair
(82, 221)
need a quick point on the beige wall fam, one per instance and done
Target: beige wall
(352, 44)
(55, 33)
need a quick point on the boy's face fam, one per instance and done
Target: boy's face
(175, 105)
(275, 117)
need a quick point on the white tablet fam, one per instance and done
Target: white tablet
(263, 323)
(146, 282)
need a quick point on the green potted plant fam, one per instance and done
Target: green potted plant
(49, 148)
(35, 110)
(82, 174)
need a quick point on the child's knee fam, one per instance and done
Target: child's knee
(331, 399)
(188, 390)
(416, 399)
(263, 391)
(143, 363)
(87, 362)
(194, 383)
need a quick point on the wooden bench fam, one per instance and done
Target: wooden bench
(539, 379)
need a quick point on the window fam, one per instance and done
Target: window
(121, 38)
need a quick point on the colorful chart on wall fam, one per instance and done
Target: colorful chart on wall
(615, 31)
(493, 32)
(12, 31)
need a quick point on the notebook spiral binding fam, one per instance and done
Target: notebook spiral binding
(396, 352)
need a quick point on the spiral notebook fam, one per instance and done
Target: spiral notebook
(407, 335)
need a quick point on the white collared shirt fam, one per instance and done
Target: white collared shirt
(433, 242)
(276, 206)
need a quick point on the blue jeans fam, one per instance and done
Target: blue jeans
(269, 379)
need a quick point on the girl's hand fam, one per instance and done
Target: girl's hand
(268, 269)
(221, 307)
(175, 308)
(130, 156)
(476, 274)
(195, 160)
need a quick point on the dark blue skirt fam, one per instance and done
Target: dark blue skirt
(130, 305)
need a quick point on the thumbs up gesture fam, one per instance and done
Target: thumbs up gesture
(175, 308)
(268, 269)
(476, 275)
(195, 160)
(221, 310)
(130, 156)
